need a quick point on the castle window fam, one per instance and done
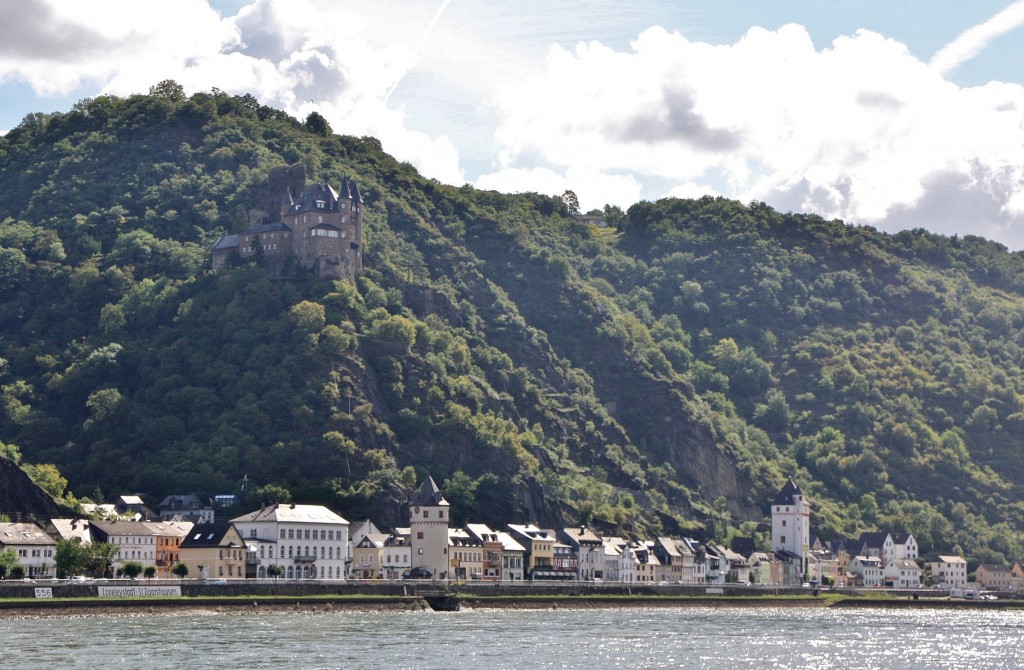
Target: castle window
(320, 218)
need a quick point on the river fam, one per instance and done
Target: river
(725, 638)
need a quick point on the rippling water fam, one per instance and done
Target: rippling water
(483, 639)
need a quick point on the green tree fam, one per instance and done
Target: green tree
(317, 124)
(180, 569)
(70, 556)
(149, 572)
(48, 477)
(8, 562)
(275, 570)
(460, 491)
(168, 88)
(308, 315)
(101, 555)
(272, 493)
(572, 203)
(131, 569)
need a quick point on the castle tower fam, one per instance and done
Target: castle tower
(791, 522)
(428, 527)
(288, 180)
(328, 229)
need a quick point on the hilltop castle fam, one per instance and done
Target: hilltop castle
(316, 226)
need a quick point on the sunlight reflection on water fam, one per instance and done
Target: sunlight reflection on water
(746, 637)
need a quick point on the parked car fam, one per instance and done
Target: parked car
(418, 573)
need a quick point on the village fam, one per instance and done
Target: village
(310, 542)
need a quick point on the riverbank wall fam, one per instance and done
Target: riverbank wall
(407, 588)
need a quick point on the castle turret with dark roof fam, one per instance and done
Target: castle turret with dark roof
(428, 527)
(791, 525)
(312, 225)
(789, 494)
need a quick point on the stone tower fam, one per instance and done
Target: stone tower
(327, 228)
(428, 527)
(791, 522)
(315, 226)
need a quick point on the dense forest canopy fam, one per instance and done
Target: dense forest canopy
(661, 375)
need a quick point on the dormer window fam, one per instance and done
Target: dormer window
(320, 204)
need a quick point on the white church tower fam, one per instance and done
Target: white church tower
(791, 522)
(428, 528)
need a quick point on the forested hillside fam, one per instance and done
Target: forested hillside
(664, 374)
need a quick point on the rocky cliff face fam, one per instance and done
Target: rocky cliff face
(654, 414)
(20, 497)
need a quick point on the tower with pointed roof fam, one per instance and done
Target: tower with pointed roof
(791, 522)
(327, 226)
(428, 528)
(314, 225)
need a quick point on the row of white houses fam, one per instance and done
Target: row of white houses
(295, 541)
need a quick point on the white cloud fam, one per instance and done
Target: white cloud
(861, 130)
(692, 190)
(299, 56)
(594, 189)
(972, 41)
(57, 46)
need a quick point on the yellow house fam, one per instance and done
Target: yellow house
(540, 550)
(218, 548)
(368, 557)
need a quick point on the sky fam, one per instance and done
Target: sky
(895, 115)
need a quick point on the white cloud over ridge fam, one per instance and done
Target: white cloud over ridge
(972, 41)
(862, 130)
(297, 55)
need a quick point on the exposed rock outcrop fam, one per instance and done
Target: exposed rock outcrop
(22, 498)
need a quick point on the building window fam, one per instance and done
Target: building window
(782, 539)
(426, 514)
(419, 535)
